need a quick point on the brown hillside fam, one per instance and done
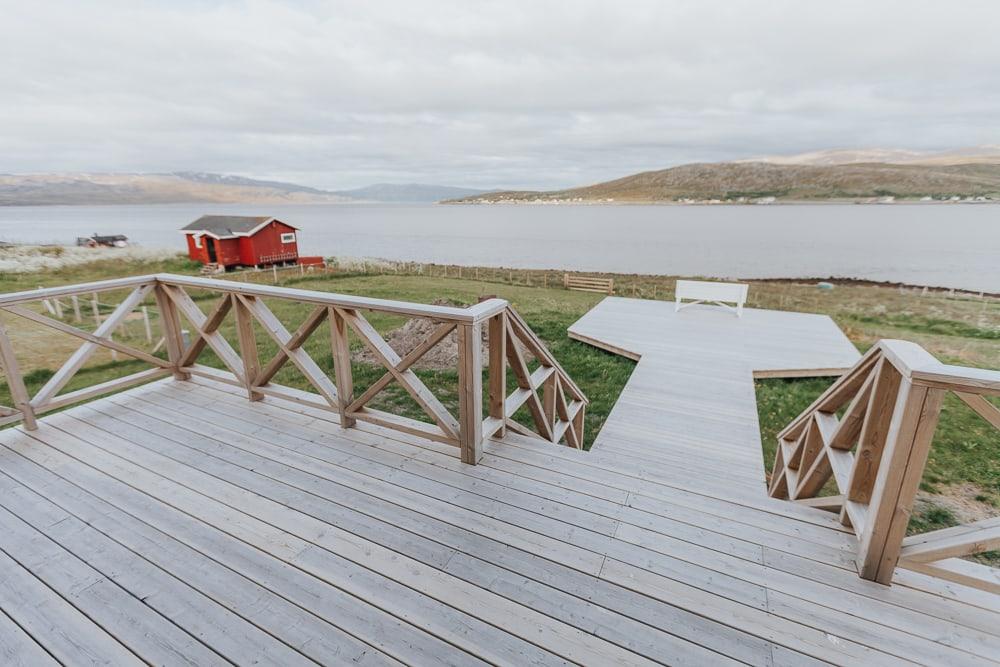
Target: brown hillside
(797, 182)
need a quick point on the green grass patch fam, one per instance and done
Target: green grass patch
(930, 325)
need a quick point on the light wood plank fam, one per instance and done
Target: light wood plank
(63, 631)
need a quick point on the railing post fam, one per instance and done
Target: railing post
(248, 347)
(15, 383)
(470, 391)
(549, 402)
(498, 370)
(578, 425)
(170, 324)
(907, 443)
(341, 365)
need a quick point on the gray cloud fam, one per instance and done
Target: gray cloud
(532, 94)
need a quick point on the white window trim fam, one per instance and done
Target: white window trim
(197, 240)
(288, 237)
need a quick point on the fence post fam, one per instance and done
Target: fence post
(341, 365)
(15, 382)
(907, 444)
(76, 309)
(248, 347)
(498, 370)
(470, 391)
(170, 324)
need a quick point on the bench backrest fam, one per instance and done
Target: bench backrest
(712, 291)
(589, 284)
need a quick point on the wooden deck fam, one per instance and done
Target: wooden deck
(178, 523)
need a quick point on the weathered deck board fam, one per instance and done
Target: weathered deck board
(211, 586)
(59, 627)
(18, 649)
(314, 543)
(694, 555)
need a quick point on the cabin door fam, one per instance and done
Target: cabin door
(210, 247)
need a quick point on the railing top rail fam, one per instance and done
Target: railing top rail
(958, 378)
(905, 355)
(27, 296)
(922, 368)
(470, 315)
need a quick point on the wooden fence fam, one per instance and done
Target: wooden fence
(589, 283)
(875, 453)
(555, 403)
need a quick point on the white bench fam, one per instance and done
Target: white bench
(699, 291)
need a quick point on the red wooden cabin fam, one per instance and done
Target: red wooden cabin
(237, 240)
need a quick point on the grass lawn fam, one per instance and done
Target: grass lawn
(962, 479)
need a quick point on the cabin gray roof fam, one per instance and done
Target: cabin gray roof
(228, 225)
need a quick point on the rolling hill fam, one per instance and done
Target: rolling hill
(735, 181)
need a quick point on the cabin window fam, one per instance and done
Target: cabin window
(288, 237)
(197, 241)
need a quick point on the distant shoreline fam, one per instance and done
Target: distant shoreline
(34, 258)
(780, 202)
(514, 202)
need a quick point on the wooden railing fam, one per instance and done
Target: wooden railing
(187, 331)
(875, 453)
(558, 412)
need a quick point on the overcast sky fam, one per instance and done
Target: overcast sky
(514, 93)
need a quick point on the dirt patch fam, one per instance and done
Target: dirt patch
(960, 500)
(443, 356)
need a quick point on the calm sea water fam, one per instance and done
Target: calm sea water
(946, 245)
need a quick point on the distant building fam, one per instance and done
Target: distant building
(235, 240)
(98, 241)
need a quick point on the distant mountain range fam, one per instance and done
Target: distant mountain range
(852, 175)
(842, 174)
(188, 186)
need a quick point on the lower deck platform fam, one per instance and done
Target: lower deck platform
(178, 523)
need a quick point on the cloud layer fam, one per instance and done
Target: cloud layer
(482, 94)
